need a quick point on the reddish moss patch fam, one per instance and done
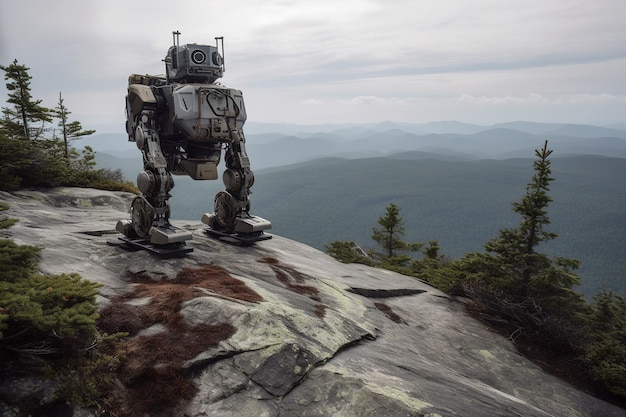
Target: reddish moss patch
(155, 383)
(391, 315)
(286, 279)
(158, 392)
(269, 260)
(218, 280)
(120, 317)
(292, 278)
(189, 280)
(320, 311)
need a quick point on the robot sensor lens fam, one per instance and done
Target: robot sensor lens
(217, 59)
(198, 57)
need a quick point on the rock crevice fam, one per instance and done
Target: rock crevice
(384, 293)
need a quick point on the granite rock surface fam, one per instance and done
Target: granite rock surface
(308, 336)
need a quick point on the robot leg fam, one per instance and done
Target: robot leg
(231, 217)
(150, 212)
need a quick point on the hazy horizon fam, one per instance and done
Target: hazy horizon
(253, 127)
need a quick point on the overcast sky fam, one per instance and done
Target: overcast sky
(337, 61)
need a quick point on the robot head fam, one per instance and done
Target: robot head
(193, 63)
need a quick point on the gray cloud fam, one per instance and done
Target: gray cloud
(364, 59)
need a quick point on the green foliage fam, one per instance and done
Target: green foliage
(606, 354)
(512, 263)
(348, 252)
(21, 121)
(34, 306)
(18, 261)
(515, 282)
(441, 277)
(15, 159)
(69, 130)
(112, 180)
(514, 249)
(5, 222)
(432, 250)
(48, 168)
(42, 163)
(533, 293)
(50, 321)
(45, 307)
(54, 305)
(433, 268)
(46, 315)
(45, 162)
(553, 288)
(388, 237)
(37, 163)
(89, 376)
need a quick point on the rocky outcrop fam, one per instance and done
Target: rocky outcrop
(281, 329)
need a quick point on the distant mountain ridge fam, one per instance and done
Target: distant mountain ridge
(271, 145)
(449, 126)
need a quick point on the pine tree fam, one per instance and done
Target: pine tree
(42, 163)
(432, 250)
(69, 130)
(20, 121)
(389, 238)
(513, 269)
(515, 249)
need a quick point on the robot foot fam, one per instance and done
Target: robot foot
(163, 240)
(168, 234)
(247, 231)
(163, 251)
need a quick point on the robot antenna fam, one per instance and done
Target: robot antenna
(218, 40)
(175, 36)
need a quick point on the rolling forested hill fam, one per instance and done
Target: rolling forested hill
(460, 204)
(445, 190)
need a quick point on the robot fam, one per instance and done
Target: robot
(180, 122)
